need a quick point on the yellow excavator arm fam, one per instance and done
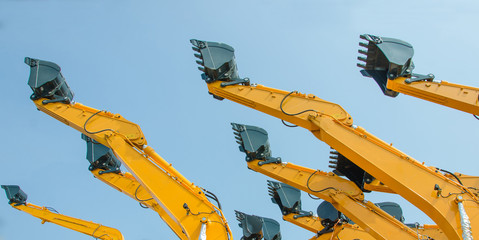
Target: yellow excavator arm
(127, 184)
(452, 206)
(342, 194)
(17, 199)
(328, 224)
(185, 205)
(389, 62)
(344, 231)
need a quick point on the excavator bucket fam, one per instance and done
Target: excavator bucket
(47, 81)
(100, 156)
(256, 228)
(392, 209)
(344, 167)
(253, 141)
(15, 194)
(288, 198)
(328, 213)
(271, 229)
(386, 58)
(216, 60)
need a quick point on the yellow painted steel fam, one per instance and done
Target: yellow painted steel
(432, 231)
(400, 172)
(345, 196)
(95, 230)
(127, 184)
(377, 186)
(460, 97)
(347, 231)
(471, 182)
(185, 204)
(344, 231)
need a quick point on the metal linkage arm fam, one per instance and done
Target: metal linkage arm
(437, 196)
(186, 204)
(389, 62)
(95, 230)
(345, 196)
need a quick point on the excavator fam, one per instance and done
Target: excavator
(53, 96)
(381, 218)
(329, 222)
(113, 141)
(17, 199)
(453, 206)
(447, 199)
(389, 62)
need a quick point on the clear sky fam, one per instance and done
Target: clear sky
(134, 58)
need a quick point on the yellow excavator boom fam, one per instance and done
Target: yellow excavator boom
(185, 205)
(452, 206)
(389, 62)
(17, 199)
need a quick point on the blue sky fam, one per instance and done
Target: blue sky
(134, 58)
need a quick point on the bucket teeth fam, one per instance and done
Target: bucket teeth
(271, 192)
(200, 62)
(361, 65)
(272, 189)
(196, 49)
(198, 56)
(363, 45)
(334, 156)
(239, 216)
(360, 51)
(237, 128)
(362, 36)
(362, 59)
(201, 69)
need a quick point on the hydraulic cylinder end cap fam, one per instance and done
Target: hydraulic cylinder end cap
(216, 60)
(15, 194)
(386, 58)
(47, 81)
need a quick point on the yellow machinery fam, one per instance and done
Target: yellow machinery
(329, 223)
(113, 140)
(389, 62)
(382, 219)
(17, 199)
(193, 217)
(370, 164)
(450, 204)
